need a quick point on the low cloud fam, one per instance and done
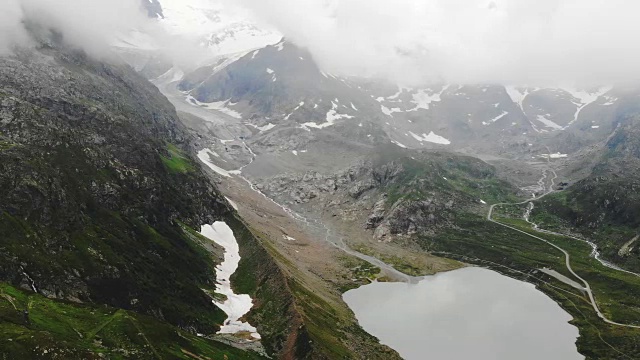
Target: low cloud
(544, 42)
(94, 26)
(89, 24)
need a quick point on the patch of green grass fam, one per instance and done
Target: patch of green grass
(322, 322)
(58, 329)
(177, 161)
(6, 145)
(458, 177)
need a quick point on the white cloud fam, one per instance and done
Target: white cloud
(96, 26)
(582, 42)
(90, 24)
(11, 29)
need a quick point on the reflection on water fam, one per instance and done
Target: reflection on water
(471, 313)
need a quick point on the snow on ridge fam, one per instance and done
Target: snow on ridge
(518, 97)
(504, 113)
(269, 71)
(235, 305)
(585, 98)
(432, 138)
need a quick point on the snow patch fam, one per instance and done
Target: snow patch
(263, 128)
(205, 156)
(504, 113)
(432, 137)
(389, 112)
(220, 106)
(423, 100)
(294, 110)
(396, 95)
(517, 95)
(548, 123)
(610, 100)
(172, 75)
(332, 116)
(232, 203)
(235, 306)
(399, 144)
(554, 156)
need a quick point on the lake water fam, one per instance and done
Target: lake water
(471, 313)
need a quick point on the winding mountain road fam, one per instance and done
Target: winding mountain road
(587, 287)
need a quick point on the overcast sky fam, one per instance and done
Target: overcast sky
(522, 42)
(537, 42)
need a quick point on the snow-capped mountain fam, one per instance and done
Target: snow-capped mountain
(280, 86)
(271, 85)
(189, 33)
(214, 25)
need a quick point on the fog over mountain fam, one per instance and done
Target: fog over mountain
(94, 26)
(538, 43)
(543, 43)
(90, 24)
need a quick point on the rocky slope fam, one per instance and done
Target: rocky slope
(99, 199)
(393, 198)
